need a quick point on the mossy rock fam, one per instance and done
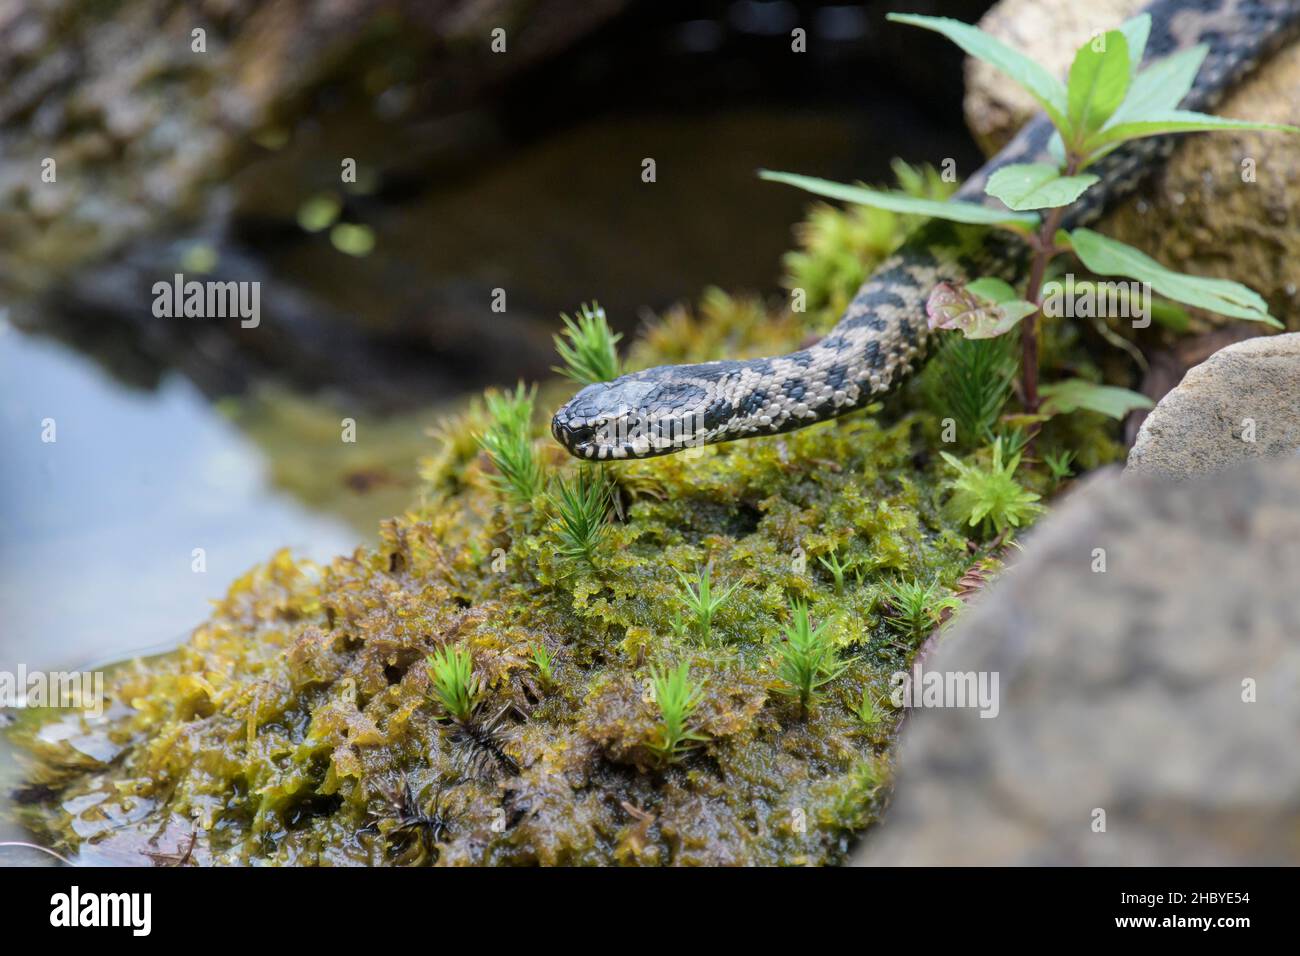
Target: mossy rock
(299, 724)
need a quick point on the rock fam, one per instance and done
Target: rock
(1122, 691)
(1225, 205)
(144, 127)
(1241, 403)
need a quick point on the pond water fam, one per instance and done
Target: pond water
(98, 527)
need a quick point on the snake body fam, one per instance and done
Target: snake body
(883, 331)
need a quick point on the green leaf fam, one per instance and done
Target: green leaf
(1061, 398)
(1161, 86)
(901, 202)
(1107, 257)
(1035, 78)
(1174, 121)
(985, 309)
(992, 289)
(1136, 31)
(1036, 186)
(1098, 82)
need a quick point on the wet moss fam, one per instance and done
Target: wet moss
(298, 724)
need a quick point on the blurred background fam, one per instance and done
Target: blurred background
(476, 170)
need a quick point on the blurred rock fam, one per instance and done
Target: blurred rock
(1241, 403)
(1122, 691)
(1201, 213)
(142, 126)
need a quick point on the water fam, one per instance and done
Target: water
(98, 528)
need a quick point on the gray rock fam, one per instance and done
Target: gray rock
(1242, 402)
(1122, 691)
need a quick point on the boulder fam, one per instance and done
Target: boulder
(1146, 713)
(1243, 402)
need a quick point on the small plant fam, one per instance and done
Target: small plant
(582, 506)
(1058, 464)
(681, 627)
(509, 445)
(832, 563)
(677, 697)
(1110, 98)
(868, 710)
(700, 600)
(990, 497)
(917, 608)
(807, 657)
(543, 663)
(970, 380)
(454, 682)
(590, 354)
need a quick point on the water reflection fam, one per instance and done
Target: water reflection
(98, 528)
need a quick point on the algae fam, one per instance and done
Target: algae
(300, 723)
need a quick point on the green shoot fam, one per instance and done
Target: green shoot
(543, 663)
(454, 682)
(868, 711)
(1058, 464)
(917, 608)
(582, 506)
(677, 698)
(832, 563)
(508, 443)
(990, 497)
(697, 595)
(590, 354)
(807, 657)
(969, 381)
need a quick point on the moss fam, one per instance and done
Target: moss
(299, 724)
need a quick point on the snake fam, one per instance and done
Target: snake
(883, 332)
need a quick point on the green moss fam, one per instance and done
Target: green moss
(300, 723)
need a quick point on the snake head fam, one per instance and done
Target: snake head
(630, 417)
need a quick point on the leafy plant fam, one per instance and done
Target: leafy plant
(990, 497)
(454, 682)
(590, 355)
(917, 608)
(1058, 464)
(677, 697)
(1073, 393)
(582, 506)
(508, 443)
(970, 380)
(543, 663)
(832, 563)
(1107, 101)
(697, 594)
(807, 657)
(868, 710)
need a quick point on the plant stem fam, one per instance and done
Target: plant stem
(1044, 246)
